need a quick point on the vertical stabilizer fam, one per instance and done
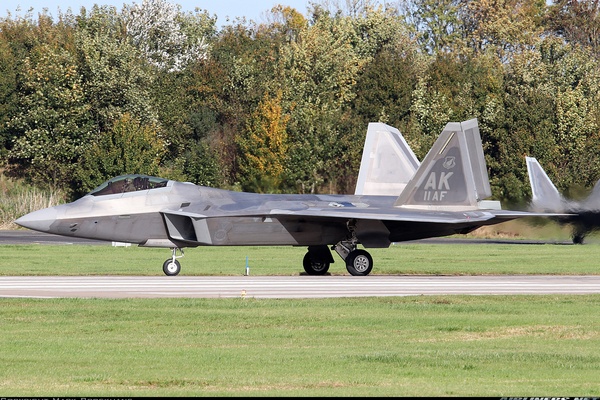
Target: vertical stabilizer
(445, 179)
(593, 200)
(545, 195)
(477, 158)
(387, 164)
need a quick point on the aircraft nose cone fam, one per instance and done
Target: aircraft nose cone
(39, 220)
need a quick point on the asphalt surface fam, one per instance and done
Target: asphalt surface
(32, 237)
(289, 287)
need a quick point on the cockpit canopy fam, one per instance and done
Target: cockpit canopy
(129, 183)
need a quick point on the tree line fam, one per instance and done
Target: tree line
(283, 105)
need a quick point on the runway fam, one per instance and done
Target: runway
(23, 236)
(290, 287)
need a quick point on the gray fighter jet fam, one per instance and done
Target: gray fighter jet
(585, 214)
(441, 196)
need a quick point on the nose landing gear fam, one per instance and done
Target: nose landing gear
(171, 266)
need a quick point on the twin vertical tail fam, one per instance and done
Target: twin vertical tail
(453, 176)
(387, 164)
(545, 196)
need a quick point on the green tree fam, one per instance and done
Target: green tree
(232, 82)
(115, 79)
(8, 93)
(505, 27)
(578, 21)
(263, 147)
(20, 40)
(318, 74)
(130, 147)
(436, 24)
(575, 76)
(53, 127)
(549, 111)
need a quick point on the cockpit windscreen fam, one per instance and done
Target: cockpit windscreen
(129, 183)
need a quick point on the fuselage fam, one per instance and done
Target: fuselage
(176, 214)
(230, 218)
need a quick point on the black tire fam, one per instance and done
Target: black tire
(578, 239)
(314, 268)
(171, 268)
(359, 263)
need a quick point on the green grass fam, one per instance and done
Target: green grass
(415, 346)
(414, 258)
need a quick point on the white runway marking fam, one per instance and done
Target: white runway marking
(289, 286)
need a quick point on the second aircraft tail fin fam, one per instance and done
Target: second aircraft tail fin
(545, 196)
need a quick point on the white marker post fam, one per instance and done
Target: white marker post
(247, 267)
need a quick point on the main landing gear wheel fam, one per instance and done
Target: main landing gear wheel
(314, 268)
(578, 237)
(171, 267)
(359, 263)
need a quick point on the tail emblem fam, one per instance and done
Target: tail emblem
(450, 162)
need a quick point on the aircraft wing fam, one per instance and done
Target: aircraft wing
(373, 227)
(418, 216)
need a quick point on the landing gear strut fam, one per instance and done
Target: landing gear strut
(171, 266)
(358, 262)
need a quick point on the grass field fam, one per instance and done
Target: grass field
(399, 346)
(414, 258)
(415, 346)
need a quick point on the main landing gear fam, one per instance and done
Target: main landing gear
(171, 266)
(358, 262)
(579, 233)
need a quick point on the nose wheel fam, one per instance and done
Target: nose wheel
(171, 266)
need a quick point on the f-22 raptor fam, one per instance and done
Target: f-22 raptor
(443, 195)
